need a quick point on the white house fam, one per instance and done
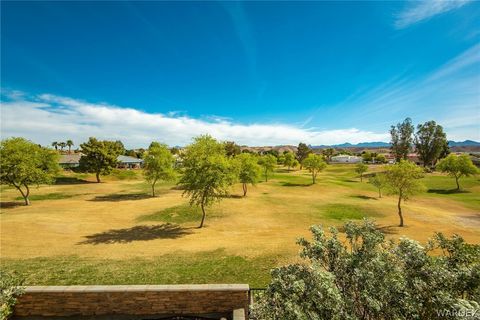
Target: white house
(345, 158)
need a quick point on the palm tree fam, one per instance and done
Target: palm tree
(62, 145)
(69, 144)
(55, 144)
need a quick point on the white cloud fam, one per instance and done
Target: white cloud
(417, 11)
(46, 118)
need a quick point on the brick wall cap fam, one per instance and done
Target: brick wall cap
(139, 288)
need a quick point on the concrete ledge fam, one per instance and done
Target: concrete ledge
(140, 288)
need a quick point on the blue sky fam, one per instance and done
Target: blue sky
(255, 72)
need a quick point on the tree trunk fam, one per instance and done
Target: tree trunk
(153, 190)
(361, 177)
(379, 192)
(400, 210)
(244, 189)
(24, 194)
(313, 178)
(458, 185)
(266, 175)
(98, 177)
(203, 216)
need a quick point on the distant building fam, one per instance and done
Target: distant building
(129, 162)
(345, 158)
(69, 160)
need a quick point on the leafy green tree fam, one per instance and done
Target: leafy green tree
(268, 163)
(249, 170)
(401, 139)
(69, 144)
(207, 173)
(295, 163)
(281, 159)
(232, 149)
(100, 157)
(328, 153)
(367, 277)
(158, 165)
(430, 142)
(457, 167)
(367, 157)
(402, 179)
(55, 145)
(380, 158)
(302, 153)
(24, 163)
(314, 163)
(11, 287)
(289, 160)
(378, 181)
(361, 168)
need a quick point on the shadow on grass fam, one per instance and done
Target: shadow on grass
(116, 197)
(71, 180)
(443, 191)
(10, 204)
(350, 180)
(292, 184)
(137, 233)
(390, 229)
(363, 197)
(233, 196)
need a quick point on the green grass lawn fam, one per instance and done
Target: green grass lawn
(206, 267)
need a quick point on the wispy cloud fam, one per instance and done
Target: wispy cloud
(46, 117)
(417, 11)
(449, 94)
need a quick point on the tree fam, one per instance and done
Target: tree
(100, 157)
(249, 170)
(207, 173)
(62, 145)
(378, 180)
(302, 152)
(402, 180)
(457, 167)
(55, 145)
(158, 165)
(268, 163)
(361, 168)
(289, 160)
(69, 144)
(370, 277)
(328, 153)
(314, 163)
(367, 157)
(232, 149)
(430, 142)
(295, 163)
(401, 139)
(23, 164)
(380, 158)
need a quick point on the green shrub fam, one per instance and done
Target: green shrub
(371, 278)
(10, 288)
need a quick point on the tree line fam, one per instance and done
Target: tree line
(208, 168)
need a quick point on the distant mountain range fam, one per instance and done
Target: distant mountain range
(466, 143)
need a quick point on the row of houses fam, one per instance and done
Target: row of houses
(125, 162)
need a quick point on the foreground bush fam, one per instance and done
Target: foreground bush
(10, 289)
(371, 278)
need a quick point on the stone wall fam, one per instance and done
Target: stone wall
(63, 301)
